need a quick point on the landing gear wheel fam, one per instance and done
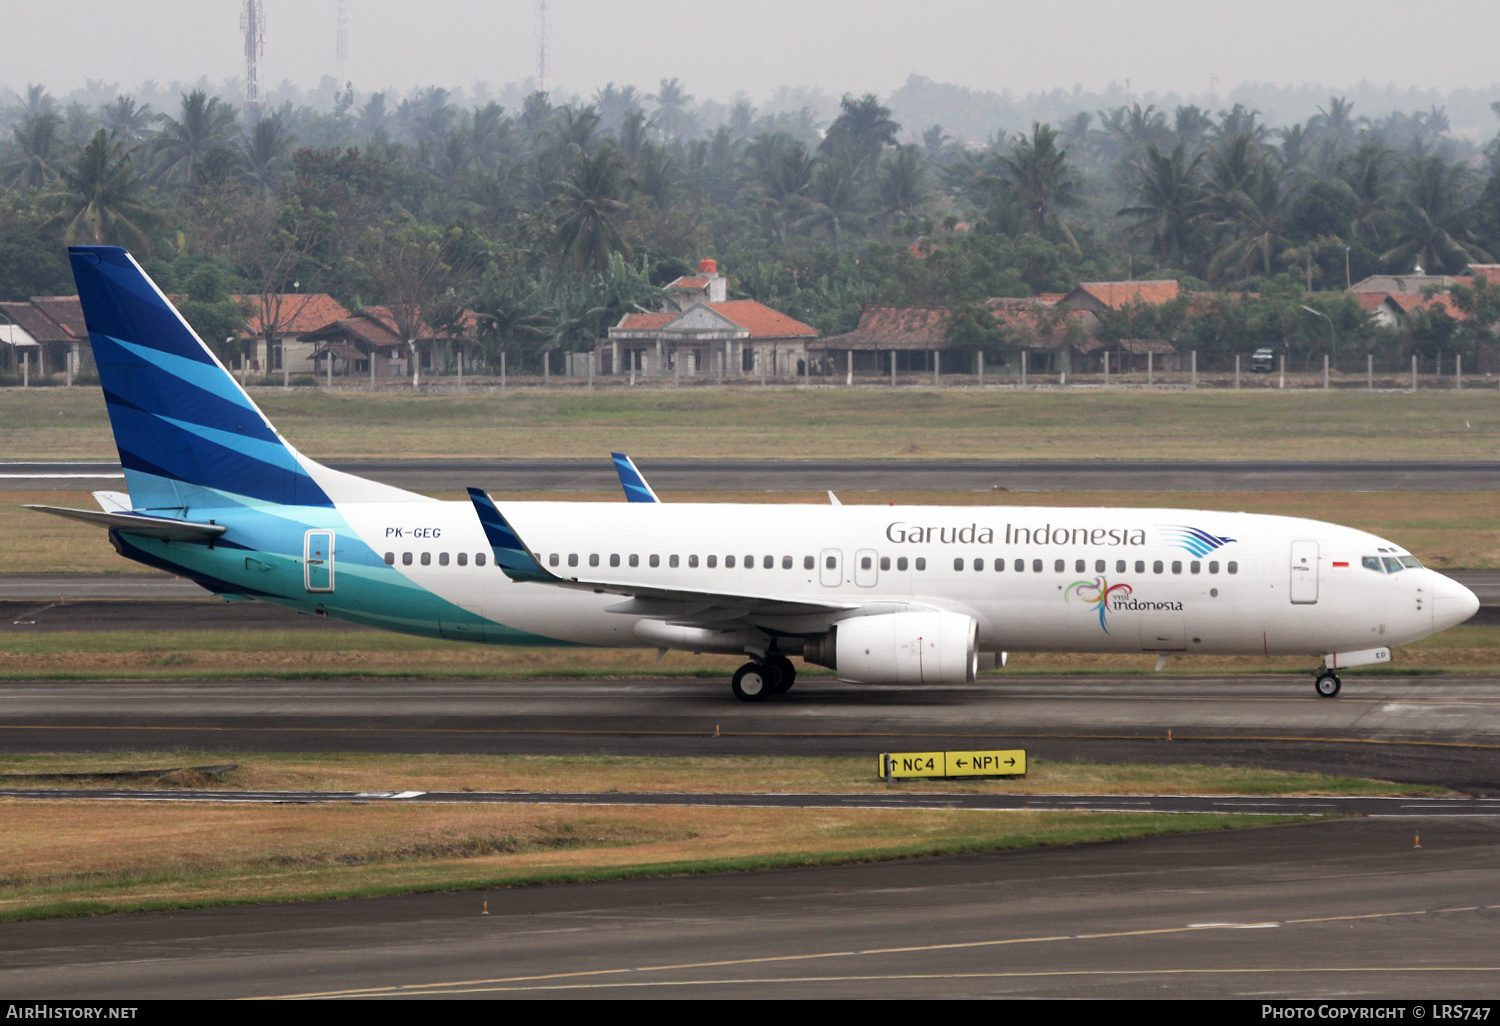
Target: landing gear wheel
(754, 682)
(783, 665)
(1328, 684)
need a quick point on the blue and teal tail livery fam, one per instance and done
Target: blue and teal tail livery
(631, 479)
(510, 552)
(181, 422)
(188, 435)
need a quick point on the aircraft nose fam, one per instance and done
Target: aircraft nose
(1452, 603)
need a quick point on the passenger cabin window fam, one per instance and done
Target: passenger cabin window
(552, 559)
(442, 559)
(1156, 567)
(1233, 567)
(1195, 567)
(729, 562)
(390, 559)
(807, 562)
(672, 562)
(594, 559)
(831, 563)
(978, 565)
(1177, 566)
(921, 563)
(463, 559)
(479, 559)
(426, 559)
(999, 566)
(1036, 566)
(1119, 566)
(693, 562)
(885, 562)
(1213, 566)
(635, 560)
(572, 559)
(786, 563)
(901, 563)
(1058, 566)
(713, 561)
(866, 563)
(1098, 566)
(1079, 566)
(1020, 566)
(1140, 566)
(768, 563)
(655, 560)
(958, 564)
(406, 559)
(614, 559)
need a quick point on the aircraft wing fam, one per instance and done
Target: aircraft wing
(631, 479)
(676, 605)
(164, 528)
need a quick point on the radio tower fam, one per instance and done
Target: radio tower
(253, 25)
(341, 54)
(541, 46)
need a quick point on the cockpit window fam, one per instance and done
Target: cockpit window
(1410, 562)
(1392, 565)
(1371, 563)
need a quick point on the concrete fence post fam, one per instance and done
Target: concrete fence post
(1195, 368)
(937, 368)
(25, 370)
(502, 368)
(1024, 360)
(587, 356)
(1281, 362)
(1236, 370)
(1106, 368)
(893, 368)
(1325, 372)
(1458, 371)
(1370, 371)
(1150, 368)
(1413, 372)
(979, 367)
(848, 367)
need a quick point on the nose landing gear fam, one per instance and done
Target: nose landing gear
(1327, 684)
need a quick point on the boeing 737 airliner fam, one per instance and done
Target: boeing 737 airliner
(881, 594)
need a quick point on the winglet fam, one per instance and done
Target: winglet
(636, 488)
(511, 554)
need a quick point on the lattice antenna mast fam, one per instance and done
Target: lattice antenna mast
(253, 25)
(341, 56)
(541, 45)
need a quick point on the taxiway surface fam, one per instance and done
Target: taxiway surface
(1437, 730)
(1344, 907)
(666, 475)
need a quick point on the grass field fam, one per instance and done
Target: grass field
(83, 858)
(351, 655)
(1444, 529)
(56, 423)
(361, 771)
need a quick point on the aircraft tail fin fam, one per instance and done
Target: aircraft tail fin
(187, 433)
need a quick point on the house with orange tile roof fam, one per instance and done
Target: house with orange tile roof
(1095, 298)
(270, 341)
(700, 331)
(889, 339)
(369, 342)
(49, 332)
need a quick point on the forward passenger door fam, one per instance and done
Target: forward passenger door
(1304, 587)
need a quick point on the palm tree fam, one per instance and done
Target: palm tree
(671, 117)
(903, 181)
(1430, 224)
(266, 151)
(657, 175)
(1043, 181)
(833, 202)
(862, 129)
(586, 203)
(35, 163)
(126, 120)
(1364, 181)
(203, 125)
(1247, 206)
(1170, 195)
(98, 201)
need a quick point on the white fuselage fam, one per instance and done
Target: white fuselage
(1033, 578)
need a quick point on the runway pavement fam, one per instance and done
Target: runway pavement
(1437, 730)
(667, 475)
(1334, 909)
(1249, 805)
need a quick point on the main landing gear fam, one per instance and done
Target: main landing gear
(1327, 684)
(758, 681)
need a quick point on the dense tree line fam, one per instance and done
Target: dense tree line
(553, 220)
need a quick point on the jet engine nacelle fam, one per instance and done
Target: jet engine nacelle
(900, 648)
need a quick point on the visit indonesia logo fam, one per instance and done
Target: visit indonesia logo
(1097, 593)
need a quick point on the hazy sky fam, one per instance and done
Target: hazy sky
(720, 48)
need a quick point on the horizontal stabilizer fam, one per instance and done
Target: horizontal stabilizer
(163, 528)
